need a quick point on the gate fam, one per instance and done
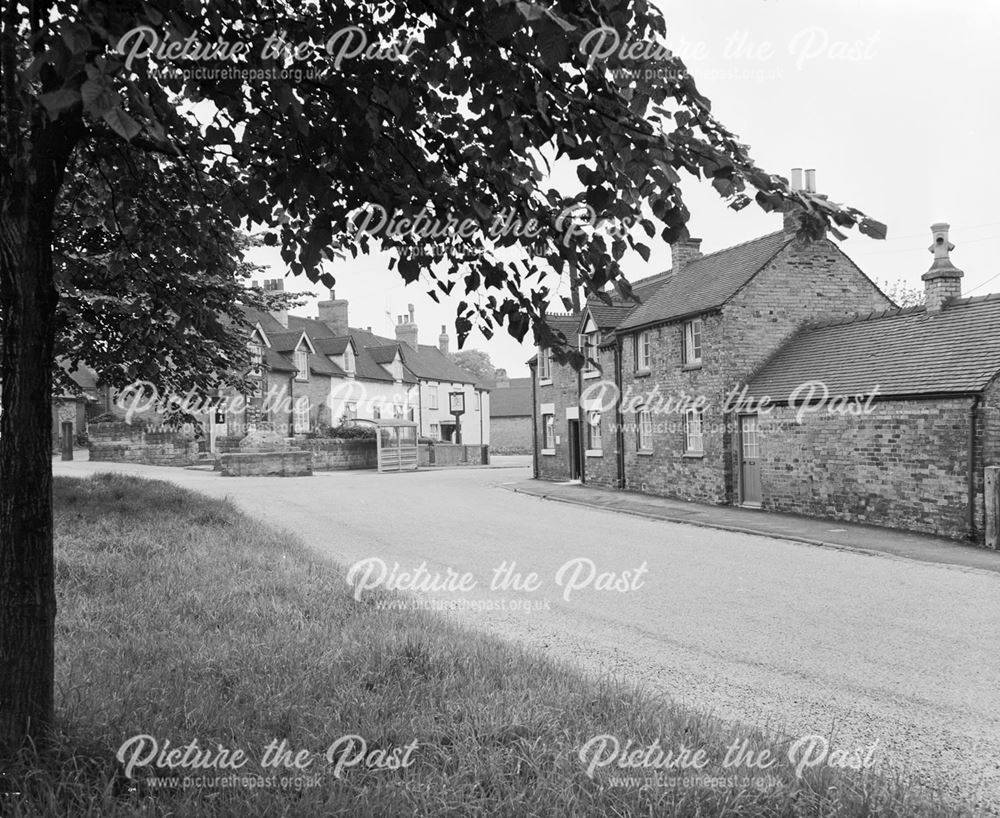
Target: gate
(397, 445)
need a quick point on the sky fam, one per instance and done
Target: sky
(893, 102)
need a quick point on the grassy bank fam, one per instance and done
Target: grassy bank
(182, 619)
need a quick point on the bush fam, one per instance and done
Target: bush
(347, 431)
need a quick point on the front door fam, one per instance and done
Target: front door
(574, 449)
(750, 493)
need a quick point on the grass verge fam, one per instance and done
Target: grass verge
(182, 619)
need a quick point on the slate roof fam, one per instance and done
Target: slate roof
(901, 352)
(706, 282)
(365, 366)
(511, 401)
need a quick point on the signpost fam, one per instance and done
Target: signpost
(456, 405)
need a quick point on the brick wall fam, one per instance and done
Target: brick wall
(905, 465)
(510, 435)
(803, 282)
(450, 454)
(563, 393)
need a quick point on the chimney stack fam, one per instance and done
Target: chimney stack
(333, 313)
(943, 281)
(811, 180)
(790, 218)
(276, 285)
(406, 329)
(443, 340)
(502, 381)
(683, 252)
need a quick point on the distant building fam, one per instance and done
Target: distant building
(510, 415)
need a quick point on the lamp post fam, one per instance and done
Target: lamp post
(456, 405)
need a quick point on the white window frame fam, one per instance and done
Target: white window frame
(349, 363)
(301, 364)
(435, 432)
(589, 344)
(693, 342)
(694, 432)
(595, 445)
(643, 351)
(350, 411)
(549, 433)
(300, 415)
(544, 365)
(643, 431)
(432, 398)
(479, 401)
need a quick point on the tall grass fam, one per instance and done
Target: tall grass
(183, 619)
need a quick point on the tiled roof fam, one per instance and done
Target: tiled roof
(321, 365)
(285, 341)
(899, 352)
(706, 282)
(511, 401)
(331, 346)
(384, 355)
(568, 324)
(278, 362)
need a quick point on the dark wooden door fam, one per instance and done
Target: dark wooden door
(574, 449)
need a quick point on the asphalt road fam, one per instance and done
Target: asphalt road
(801, 638)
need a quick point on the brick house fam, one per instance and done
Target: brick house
(668, 404)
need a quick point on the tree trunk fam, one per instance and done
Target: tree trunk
(27, 578)
(28, 300)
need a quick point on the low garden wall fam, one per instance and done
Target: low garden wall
(257, 464)
(453, 454)
(334, 454)
(127, 443)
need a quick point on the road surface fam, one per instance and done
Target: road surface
(763, 631)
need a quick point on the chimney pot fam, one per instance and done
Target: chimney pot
(796, 179)
(811, 180)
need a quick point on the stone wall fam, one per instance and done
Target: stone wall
(905, 465)
(131, 443)
(331, 454)
(260, 464)
(451, 454)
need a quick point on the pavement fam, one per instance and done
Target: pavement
(902, 654)
(864, 539)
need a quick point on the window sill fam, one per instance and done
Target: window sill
(545, 381)
(548, 451)
(691, 367)
(694, 455)
(645, 452)
(594, 453)
(591, 374)
(641, 373)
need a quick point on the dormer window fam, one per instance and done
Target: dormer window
(302, 364)
(590, 340)
(349, 359)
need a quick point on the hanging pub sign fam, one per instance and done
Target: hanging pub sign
(456, 402)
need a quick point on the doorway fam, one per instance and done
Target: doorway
(750, 491)
(575, 472)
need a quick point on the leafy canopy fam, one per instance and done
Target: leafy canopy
(452, 110)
